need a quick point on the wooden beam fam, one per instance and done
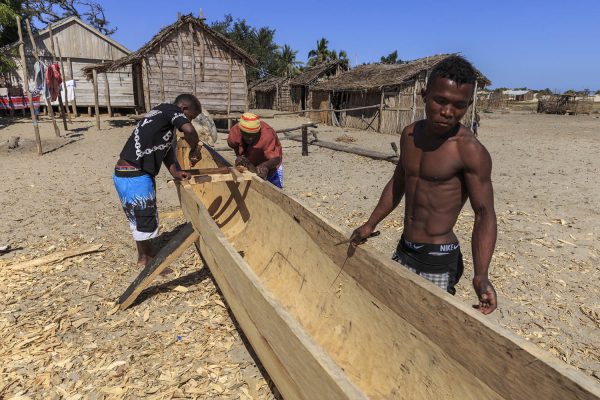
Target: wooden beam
(34, 119)
(473, 105)
(380, 110)
(162, 82)
(146, 75)
(64, 81)
(180, 53)
(229, 90)
(180, 242)
(376, 155)
(96, 101)
(49, 107)
(191, 31)
(414, 101)
(60, 103)
(58, 256)
(107, 95)
(74, 106)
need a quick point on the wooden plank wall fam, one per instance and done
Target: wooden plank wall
(211, 70)
(120, 82)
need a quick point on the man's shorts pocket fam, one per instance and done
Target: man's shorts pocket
(145, 219)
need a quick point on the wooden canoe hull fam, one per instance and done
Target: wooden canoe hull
(331, 323)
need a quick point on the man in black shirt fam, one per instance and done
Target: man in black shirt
(151, 144)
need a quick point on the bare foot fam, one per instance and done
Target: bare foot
(143, 261)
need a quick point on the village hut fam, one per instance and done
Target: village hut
(302, 96)
(187, 57)
(380, 97)
(272, 93)
(78, 44)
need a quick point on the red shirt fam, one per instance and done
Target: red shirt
(266, 148)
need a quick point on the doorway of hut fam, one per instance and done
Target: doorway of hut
(303, 97)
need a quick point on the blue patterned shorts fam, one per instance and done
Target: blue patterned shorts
(277, 177)
(138, 198)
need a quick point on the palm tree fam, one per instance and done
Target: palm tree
(288, 63)
(319, 55)
(340, 56)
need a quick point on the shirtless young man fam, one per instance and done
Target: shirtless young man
(441, 165)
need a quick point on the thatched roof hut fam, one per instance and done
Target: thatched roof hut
(301, 85)
(377, 76)
(188, 57)
(272, 92)
(381, 97)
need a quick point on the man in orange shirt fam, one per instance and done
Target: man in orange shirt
(257, 148)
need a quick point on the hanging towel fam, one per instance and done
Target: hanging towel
(53, 80)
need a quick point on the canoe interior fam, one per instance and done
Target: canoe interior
(391, 334)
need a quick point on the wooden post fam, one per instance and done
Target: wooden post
(49, 108)
(202, 58)
(36, 128)
(64, 82)
(246, 93)
(473, 105)
(107, 95)
(191, 29)
(229, 91)
(304, 140)
(180, 53)
(96, 103)
(162, 82)
(146, 74)
(60, 103)
(74, 105)
(380, 119)
(414, 96)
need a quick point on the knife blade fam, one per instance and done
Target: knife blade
(372, 235)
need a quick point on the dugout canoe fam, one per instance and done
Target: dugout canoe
(329, 323)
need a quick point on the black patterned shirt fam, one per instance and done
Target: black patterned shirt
(153, 137)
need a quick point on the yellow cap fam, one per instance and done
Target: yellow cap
(250, 123)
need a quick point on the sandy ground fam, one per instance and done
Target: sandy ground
(61, 336)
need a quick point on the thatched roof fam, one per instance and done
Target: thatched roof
(138, 55)
(267, 84)
(310, 75)
(376, 76)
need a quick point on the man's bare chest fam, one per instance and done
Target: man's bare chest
(440, 165)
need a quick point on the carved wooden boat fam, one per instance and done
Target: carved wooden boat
(328, 323)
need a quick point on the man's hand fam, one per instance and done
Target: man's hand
(486, 294)
(360, 234)
(262, 171)
(180, 175)
(195, 155)
(241, 160)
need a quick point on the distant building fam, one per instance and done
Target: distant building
(519, 95)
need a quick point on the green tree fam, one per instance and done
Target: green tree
(391, 58)
(44, 12)
(598, 91)
(571, 92)
(288, 65)
(320, 54)
(258, 42)
(545, 92)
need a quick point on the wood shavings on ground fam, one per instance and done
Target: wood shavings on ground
(345, 138)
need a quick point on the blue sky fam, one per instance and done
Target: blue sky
(533, 43)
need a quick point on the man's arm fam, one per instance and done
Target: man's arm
(477, 173)
(389, 200)
(191, 137)
(174, 169)
(264, 168)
